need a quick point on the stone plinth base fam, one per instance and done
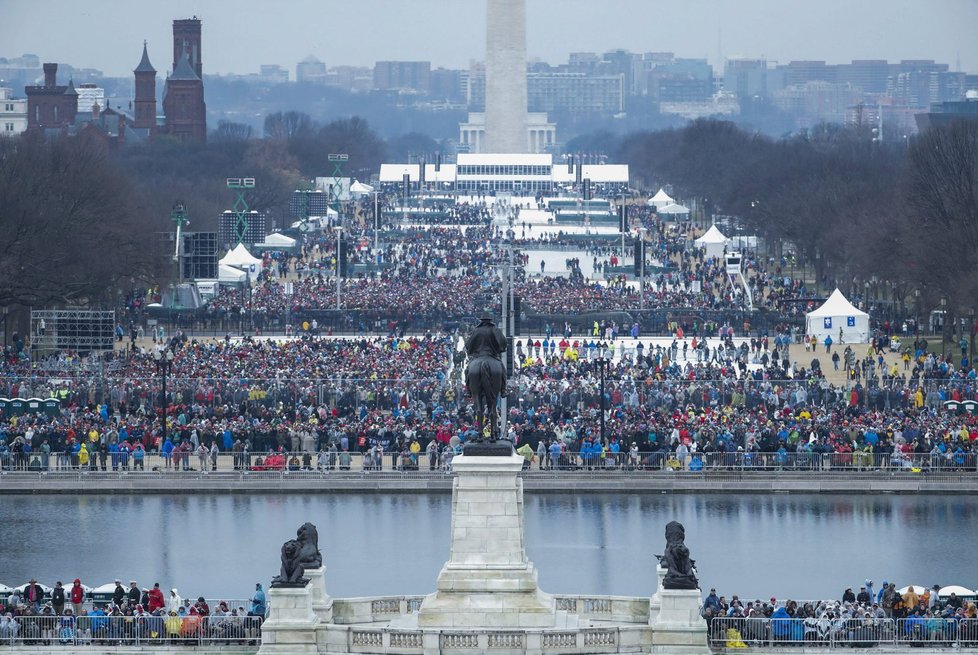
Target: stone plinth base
(487, 581)
(291, 624)
(656, 601)
(485, 597)
(678, 627)
(322, 604)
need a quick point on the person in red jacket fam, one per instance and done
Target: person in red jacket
(77, 596)
(156, 600)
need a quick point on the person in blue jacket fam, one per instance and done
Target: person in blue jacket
(258, 605)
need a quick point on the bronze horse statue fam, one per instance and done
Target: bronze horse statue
(485, 375)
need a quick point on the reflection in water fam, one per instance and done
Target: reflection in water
(802, 546)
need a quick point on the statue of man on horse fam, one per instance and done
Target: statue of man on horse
(485, 375)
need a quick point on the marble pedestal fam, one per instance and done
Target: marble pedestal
(291, 624)
(678, 628)
(656, 601)
(322, 604)
(488, 581)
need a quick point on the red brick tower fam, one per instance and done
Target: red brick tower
(186, 41)
(183, 95)
(183, 104)
(144, 105)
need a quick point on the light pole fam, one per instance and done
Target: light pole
(504, 305)
(971, 351)
(943, 325)
(916, 313)
(376, 226)
(641, 266)
(164, 363)
(339, 236)
(602, 363)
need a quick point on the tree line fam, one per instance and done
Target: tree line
(902, 214)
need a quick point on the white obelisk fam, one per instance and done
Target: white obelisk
(506, 77)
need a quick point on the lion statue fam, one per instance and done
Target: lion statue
(308, 538)
(292, 571)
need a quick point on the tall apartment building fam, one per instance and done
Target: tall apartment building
(575, 93)
(403, 75)
(310, 71)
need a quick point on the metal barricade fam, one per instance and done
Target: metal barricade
(761, 632)
(130, 630)
(921, 631)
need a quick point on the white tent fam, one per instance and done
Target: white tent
(672, 209)
(713, 242)
(276, 241)
(359, 188)
(231, 275)
(240, 258)
(661, 199)
(837, 316)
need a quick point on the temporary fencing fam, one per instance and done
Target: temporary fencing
(280, 464)
(130, 630)
(842, 632)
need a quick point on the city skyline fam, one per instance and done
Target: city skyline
(772, 29)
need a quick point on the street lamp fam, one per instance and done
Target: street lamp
(641, 266)
(971, 351)
(339, 236)
(943, 324)
(602, 363)
(164, 364)
(916, 313)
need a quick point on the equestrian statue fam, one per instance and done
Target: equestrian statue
(485, 375)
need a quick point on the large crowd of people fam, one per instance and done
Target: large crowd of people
(866, 618)
(709, 391)
(684, 405)
(35, 615)
(415, 265)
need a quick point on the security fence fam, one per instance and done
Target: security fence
(832, 631)
(595, 463)
(130, 630)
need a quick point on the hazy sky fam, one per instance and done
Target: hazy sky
(240, 35)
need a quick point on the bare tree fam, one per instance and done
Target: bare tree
(69, 231)
(943, 193)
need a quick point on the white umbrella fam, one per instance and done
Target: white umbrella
(957, 590)
(918, 588)
(4, 589)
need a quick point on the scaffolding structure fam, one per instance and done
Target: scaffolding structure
(80, 330)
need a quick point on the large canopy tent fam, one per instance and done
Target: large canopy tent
(672, 210)
(231, 275)
(277, 241)
(713, 242)
(837, 317)
(360, 189)
(661, 199)
(240, 258)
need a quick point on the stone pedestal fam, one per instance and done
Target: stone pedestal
(291, 623)
(322, 604)
(678, 627)
(488, 581)
(656, 601)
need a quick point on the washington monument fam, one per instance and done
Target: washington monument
(506, 76)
